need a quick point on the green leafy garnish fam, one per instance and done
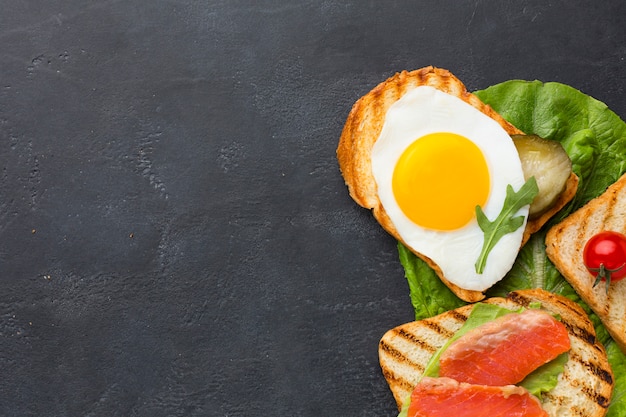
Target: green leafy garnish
(617, 359)
(507, 221)
(428, 296)
(546, 377)
(532, 269)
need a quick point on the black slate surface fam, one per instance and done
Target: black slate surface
(175, 235)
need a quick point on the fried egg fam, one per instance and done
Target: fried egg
(436, 159)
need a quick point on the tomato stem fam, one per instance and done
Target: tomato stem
(605, 273)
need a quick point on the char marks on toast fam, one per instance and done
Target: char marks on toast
(584, 388)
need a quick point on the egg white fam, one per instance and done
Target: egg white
(424, 110)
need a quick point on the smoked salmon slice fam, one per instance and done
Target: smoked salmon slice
(445, 397)
(506, 350)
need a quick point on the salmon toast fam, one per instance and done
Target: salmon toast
(584, 388)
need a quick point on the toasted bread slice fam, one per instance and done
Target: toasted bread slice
(564, 246)
(583, 389)
(363, 128)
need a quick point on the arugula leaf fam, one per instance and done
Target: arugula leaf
(505, 223)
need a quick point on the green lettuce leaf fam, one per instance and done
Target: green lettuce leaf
(595, 139)
(593, 136)
(617, 359)
(429, 296)
(545, 378)
(532, 269)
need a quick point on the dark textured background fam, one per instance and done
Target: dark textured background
(175, 236)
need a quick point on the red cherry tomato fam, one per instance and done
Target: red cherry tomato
(605, 257)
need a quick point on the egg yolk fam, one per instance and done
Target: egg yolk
(440, 179)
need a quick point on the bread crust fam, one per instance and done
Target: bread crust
(362, 129)
(584, 388)
(565, 244)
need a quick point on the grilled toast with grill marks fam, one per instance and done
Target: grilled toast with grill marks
(564, 246)
(361, 131)
(583, 389)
